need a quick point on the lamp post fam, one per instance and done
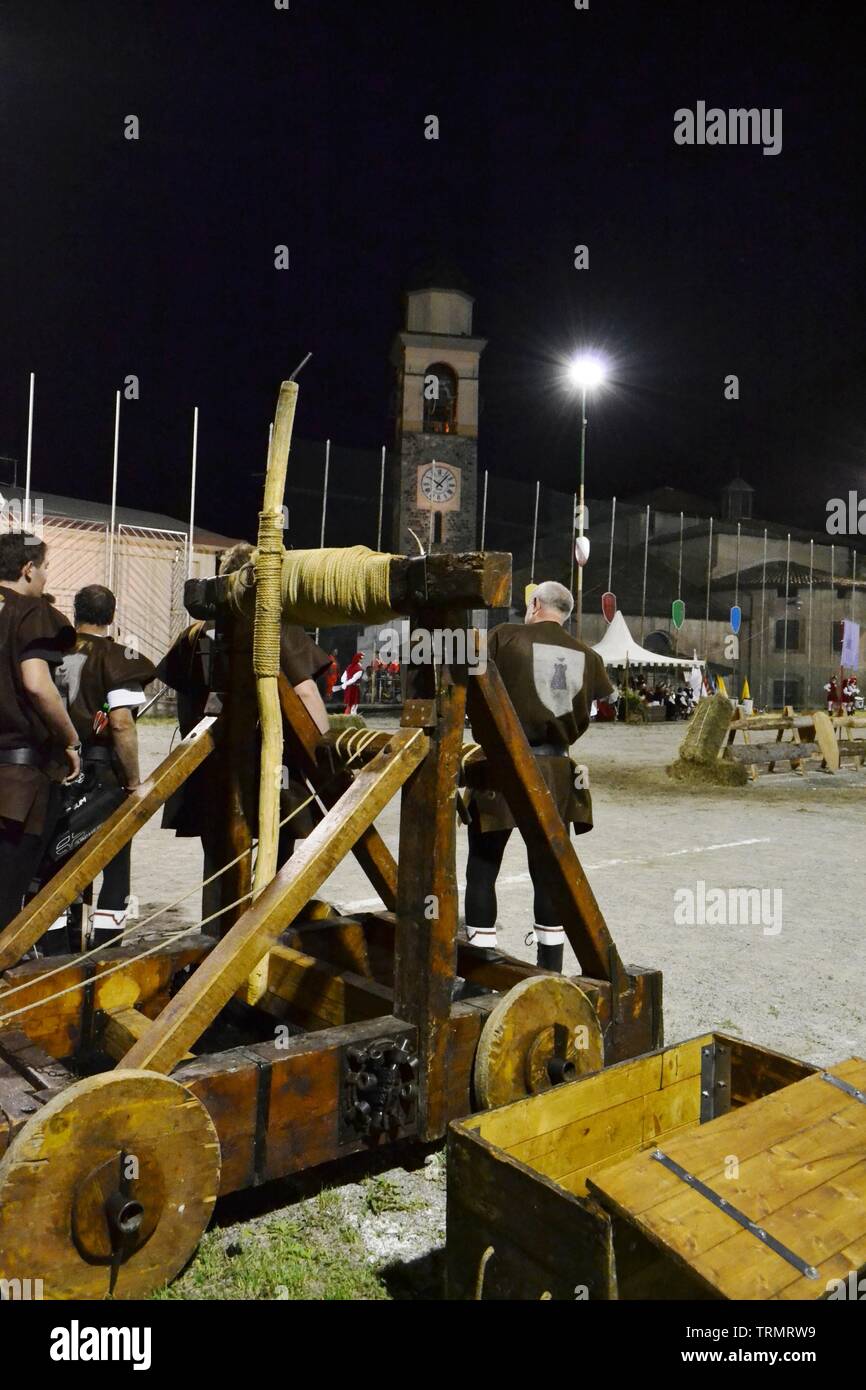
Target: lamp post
(585, 372)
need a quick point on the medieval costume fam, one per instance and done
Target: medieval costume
(29, 628)
(552, 679)
(351, 683)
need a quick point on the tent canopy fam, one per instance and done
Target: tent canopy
(618, 646)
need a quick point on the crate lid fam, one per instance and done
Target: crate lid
(767, 1201)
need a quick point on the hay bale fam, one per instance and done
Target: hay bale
(339, 722)
(700, 752)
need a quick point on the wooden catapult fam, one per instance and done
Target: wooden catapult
(138, 1084)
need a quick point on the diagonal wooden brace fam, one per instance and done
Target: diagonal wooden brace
(229, 964)
(83, 866)
(496, 727)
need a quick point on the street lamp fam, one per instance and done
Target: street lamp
(584, 371)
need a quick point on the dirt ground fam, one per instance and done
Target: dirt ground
(792, 980)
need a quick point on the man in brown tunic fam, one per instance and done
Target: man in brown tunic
(103, 682)
(552, 679)
(33, 717)
(186, 668)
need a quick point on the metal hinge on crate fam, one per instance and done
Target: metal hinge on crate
(715, 1080)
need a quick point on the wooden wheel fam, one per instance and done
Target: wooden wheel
(108, 1189)
(543, 1032)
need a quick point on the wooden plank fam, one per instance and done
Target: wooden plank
(234, 957)
(123, 1027)
(303, 741)
(498, 730)
(800, 1171)
(538, 1117)
(768, 754)
(316, 995)
(81, 869)
(39, 1069)
(427, 899)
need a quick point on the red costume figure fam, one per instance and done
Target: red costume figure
(850, 691)
(332, 675)
(351, 683)
(832, 695)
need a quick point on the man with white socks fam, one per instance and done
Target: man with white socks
(552, 679)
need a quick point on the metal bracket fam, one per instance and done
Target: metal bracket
(715, 1080)
(379, 1088)
(740, 1217)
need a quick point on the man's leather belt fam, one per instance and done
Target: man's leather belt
(20, 757)
(96, 754)
(548, 750)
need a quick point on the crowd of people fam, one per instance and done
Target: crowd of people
(844, 697)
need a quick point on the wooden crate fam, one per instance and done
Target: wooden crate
(560, 1195)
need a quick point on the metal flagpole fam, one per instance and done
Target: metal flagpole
(381, 499)
(484, 512)
(610, 554)
(573, 534)
(763, 618)
(785, 627)
(709, 576)
(30, 409)
(832, 606)
(534, 533)
(191, 541)
(324, 503)
(645, 555)
(114, 490)
(853, 585)
(810, 677)
(736, 604)
(680, 570)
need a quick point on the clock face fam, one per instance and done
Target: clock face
(438, 483)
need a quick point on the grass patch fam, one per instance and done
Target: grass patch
(382, 1194)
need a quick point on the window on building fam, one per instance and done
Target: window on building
(440, 399)
(793, 634)
(788, 692)
(836, 636)
(437, 528)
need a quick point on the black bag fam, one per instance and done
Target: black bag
(86, 806)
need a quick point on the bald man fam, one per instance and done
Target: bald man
(552, 679)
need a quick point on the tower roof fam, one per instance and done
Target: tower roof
(437, 273)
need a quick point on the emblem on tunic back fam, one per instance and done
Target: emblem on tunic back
(558, 674)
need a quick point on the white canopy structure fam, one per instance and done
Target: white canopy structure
(617, 647)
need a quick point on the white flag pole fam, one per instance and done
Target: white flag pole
(324, 503)
(381, 499)
(29, 447)
(191, 541)
(114, 490)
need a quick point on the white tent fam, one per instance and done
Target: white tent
(617, 647)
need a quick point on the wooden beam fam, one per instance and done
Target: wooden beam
(236, 955)
(81, 869)
(315, 995)
(427, 903)
(123, 1027)
(303, 741)
(477, 579)
(496, 727)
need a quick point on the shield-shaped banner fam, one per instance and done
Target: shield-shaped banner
(736, 618)
(581, 549)
(678, 613)
(608, 606)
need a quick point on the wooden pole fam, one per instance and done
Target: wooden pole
(191, 543)
(809, 630)
(738, 689)
(571, 557)
(30, 413)
(610, 553)
(111, 539)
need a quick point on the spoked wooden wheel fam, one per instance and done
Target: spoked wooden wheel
(543, 1032)
(108, 1189)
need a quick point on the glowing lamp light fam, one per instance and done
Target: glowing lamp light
(587, 371)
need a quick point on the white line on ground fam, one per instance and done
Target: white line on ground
(362, 904)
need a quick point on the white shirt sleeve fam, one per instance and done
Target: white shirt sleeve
(125, 696)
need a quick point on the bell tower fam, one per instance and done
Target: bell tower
(436, 360)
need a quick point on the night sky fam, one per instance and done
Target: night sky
(261, 127)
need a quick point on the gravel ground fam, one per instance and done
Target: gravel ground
(792, 981)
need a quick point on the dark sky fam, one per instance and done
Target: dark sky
(261, 127)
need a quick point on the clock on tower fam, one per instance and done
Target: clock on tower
(437, 359)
